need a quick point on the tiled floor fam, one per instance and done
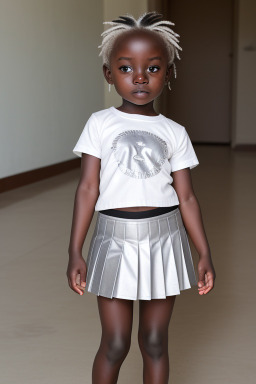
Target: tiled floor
(50, 335)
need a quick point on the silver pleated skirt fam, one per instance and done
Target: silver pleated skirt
(139, 259)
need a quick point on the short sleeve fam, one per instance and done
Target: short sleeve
(184, 155)
(89, 141)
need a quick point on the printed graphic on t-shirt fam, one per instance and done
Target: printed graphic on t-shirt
(139, 154)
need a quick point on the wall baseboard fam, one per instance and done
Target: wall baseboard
(24, 178)
(245, 147)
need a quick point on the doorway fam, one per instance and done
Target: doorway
(200, 98)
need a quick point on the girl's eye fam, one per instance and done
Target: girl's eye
(125, 68)
(153, 68)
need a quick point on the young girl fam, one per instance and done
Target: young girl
(135, 171)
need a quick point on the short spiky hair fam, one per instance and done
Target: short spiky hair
(151, 21)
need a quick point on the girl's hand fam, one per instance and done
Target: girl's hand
(206, 276)
(76, 274)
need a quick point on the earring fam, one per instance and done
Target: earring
(169, 85)
(109, 87)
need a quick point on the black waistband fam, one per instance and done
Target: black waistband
(139, 214)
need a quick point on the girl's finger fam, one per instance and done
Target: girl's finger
(204, 289)
(210, 280)
(69, 282)
(83, 278)
(74, 284)
(81, 287)
(209, 287)
(201, 278)
(78, 278)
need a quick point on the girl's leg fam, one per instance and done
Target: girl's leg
(154, 320)
(116, 317)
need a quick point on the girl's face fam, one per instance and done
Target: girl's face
(138, 66)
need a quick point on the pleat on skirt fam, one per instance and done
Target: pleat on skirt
(139, 259)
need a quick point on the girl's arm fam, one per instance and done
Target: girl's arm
(84, 205)
(192, 218)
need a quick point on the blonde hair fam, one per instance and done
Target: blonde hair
(151, 21)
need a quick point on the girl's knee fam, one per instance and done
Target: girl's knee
(117, 348)
(153, 343)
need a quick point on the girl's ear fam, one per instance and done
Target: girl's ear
(107, 74)
(168, 74)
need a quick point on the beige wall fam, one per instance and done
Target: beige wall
(244, 117)
(113, 9)
(50, 80)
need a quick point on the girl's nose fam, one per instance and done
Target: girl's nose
(140, 78)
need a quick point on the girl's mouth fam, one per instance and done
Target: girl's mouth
(139, 91)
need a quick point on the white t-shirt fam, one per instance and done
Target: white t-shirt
(138, 154)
